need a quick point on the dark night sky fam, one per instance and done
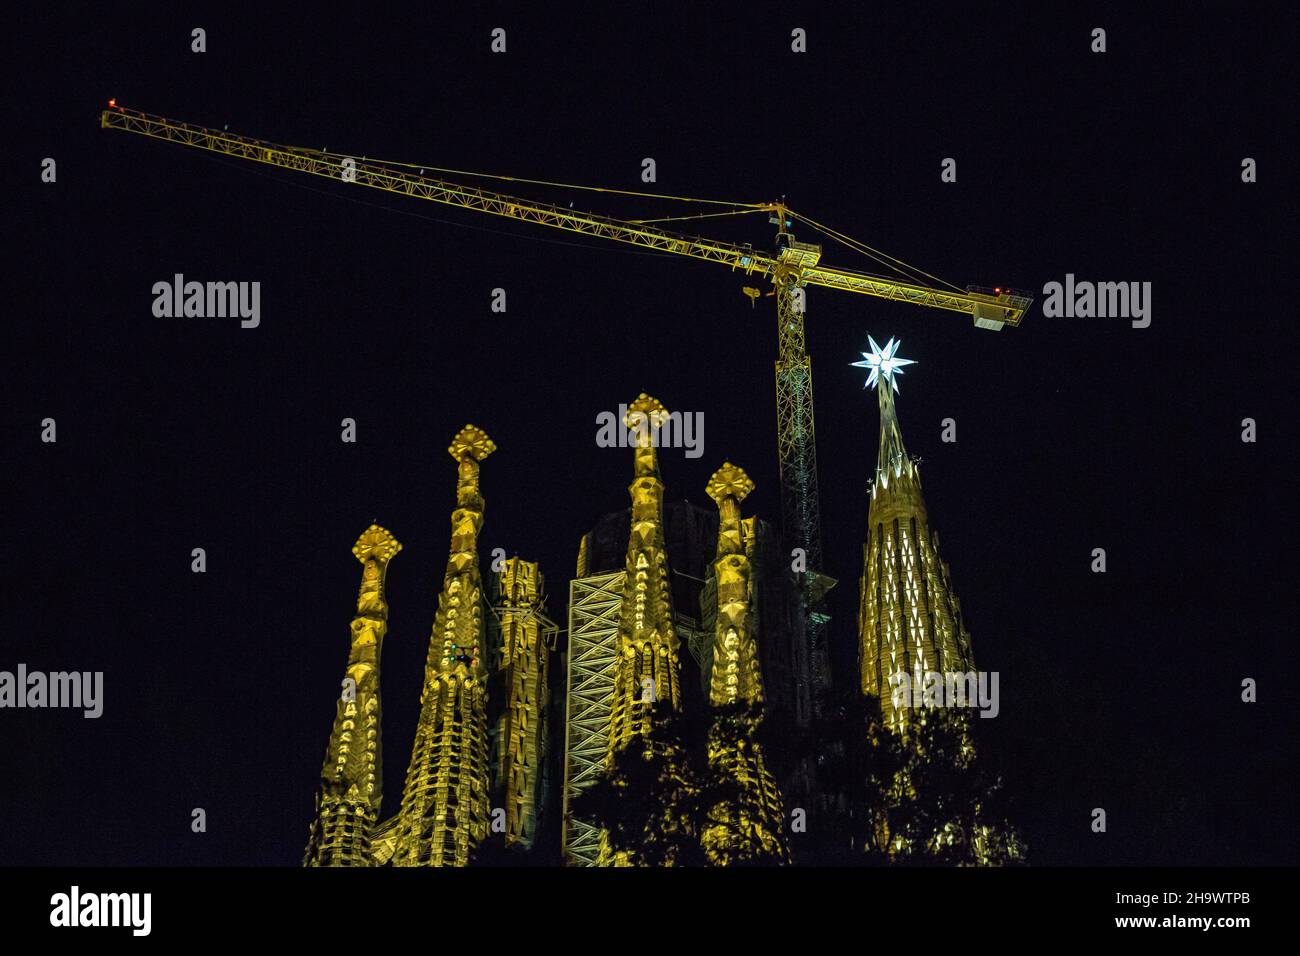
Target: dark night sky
(1118, 690)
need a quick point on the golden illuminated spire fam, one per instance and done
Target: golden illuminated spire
(521, 727)
(646, 669)
(909, 620)
(736, 675)
(749, 827)
(352, 777)
(647, 642)
(445, 804)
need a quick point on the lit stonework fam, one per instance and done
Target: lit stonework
(647, 643)
(909, 620)
(521, 728)
(736, 676)
(352, 776)
(445, 804)
(646, 668)
(750, 826)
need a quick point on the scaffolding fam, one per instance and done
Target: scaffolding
(594, 606)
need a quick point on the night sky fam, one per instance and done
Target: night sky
(1119, 690)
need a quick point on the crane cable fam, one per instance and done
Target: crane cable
(703, 215)
(871, 253)
(535, 182)
(438, 219)
(890, 262)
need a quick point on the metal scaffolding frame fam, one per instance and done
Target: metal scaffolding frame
(595, 603)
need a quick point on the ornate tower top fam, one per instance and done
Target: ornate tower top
(729, 481)
(376, 544)
(886, 366)
(883, 363)
(471, 442)
(470, 446)
(643, 416)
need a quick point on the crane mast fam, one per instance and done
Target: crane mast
(800, 499)
(792, 267)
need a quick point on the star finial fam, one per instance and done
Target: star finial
(883, 363)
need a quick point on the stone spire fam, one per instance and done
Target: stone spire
(352, 777)
(909, 619)
(749, 827)
(521, 737)
(647, 669)
(445, 804)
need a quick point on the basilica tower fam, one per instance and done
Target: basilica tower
(909, 619)
(521, 729)
(352, 777)
(647, 668)
(445, 804)
(749, 826)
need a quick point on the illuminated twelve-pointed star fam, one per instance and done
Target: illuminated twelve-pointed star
(883, 363)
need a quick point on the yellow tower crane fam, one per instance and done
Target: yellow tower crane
(791, 266)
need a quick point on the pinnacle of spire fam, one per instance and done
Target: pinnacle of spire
(729, 481)
(377, 544)
(643, 416)
(471, 442)
(884, 363)
(892, 458)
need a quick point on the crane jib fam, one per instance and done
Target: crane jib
(991, 309)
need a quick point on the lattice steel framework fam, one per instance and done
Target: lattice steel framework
(797, 456)
(594, 604)
(990, 309)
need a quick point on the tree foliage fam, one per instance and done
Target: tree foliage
(931, 796)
